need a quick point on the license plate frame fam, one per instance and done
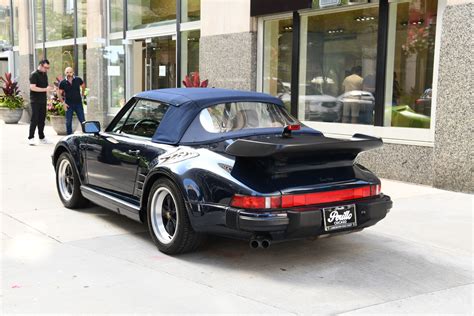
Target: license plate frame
(346, 217)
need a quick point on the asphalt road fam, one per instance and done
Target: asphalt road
(54, 260)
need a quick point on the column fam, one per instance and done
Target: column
(25, 62)
(454, 151)
(228, 45)
(97, 100)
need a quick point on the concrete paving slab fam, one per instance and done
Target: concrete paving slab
(68, 225)
(12, 228)
(461, 298)
(364, 269)
(440, 219)
(71, 280)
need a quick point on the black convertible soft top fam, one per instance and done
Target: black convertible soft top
(187, 103)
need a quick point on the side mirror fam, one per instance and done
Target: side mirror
(91, 127)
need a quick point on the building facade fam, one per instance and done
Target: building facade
(400, 70)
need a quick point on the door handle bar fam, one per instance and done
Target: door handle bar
(134, 152)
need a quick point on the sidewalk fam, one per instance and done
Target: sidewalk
(54, 260)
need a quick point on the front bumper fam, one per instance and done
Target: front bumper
(305, 222)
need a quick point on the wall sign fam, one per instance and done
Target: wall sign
(113, 71)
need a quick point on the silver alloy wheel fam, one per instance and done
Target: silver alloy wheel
(164, 215)
(65, 179)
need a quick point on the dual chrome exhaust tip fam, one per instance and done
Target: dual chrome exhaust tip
(260, 243)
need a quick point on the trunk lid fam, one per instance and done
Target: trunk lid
(301, 163)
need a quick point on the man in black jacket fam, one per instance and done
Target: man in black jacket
(38, 89)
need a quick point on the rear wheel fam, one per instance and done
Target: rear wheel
(68, 183)
(168, 220)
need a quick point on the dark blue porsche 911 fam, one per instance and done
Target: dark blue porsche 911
(191, 162)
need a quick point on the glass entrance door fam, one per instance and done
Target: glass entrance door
(159, 63)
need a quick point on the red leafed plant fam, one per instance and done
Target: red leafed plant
(194, 81)
(11, 97)
(10, 87)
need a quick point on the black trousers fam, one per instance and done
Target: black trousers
(38, 115)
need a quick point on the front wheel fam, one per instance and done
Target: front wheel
(68, 183)
(168, 221)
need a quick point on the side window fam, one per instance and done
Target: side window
(142, 119)
(118, 126)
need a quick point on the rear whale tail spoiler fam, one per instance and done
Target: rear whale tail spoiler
(293, 147)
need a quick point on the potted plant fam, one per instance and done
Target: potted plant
(194, 81)
(56, 113)
(11, 102)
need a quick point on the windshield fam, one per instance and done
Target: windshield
(234, 116)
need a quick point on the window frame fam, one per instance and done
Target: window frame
(129, 108)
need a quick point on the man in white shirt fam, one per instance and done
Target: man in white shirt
(352, 82)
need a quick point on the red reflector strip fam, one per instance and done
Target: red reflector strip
(292, 200)
(325, 197)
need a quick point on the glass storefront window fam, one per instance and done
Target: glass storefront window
(278, 35)
(81, 18)
(150, 13)
(81, 68)
(116, 16)
(160, 63)
(82, 61)
(16, 64)
(3, 65)
(60, 58)
(190, 10)
(16, 23)
(189, 53)
(39, 55)
(115, 55)
(38, 12)
(338, 66)
(410, 76)
(59, 19)
(5, 22)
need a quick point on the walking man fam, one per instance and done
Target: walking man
(72, 88)
(38, 89)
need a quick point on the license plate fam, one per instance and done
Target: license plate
(339, 217)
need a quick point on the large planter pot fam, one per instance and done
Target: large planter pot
(10, 116)
(59, 124)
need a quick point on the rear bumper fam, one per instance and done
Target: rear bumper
(305, 222)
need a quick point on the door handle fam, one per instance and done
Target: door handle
(133, 152)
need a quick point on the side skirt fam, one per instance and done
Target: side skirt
(111, 202)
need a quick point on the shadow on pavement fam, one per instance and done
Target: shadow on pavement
(382, 262)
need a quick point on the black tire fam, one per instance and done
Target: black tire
(68, 183)
(160, 213)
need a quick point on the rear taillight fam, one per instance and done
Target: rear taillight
(293, 200)
(243, 201)
(375, 189)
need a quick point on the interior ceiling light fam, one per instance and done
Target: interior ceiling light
(364, 18)
(335, 31)
(414, 22)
